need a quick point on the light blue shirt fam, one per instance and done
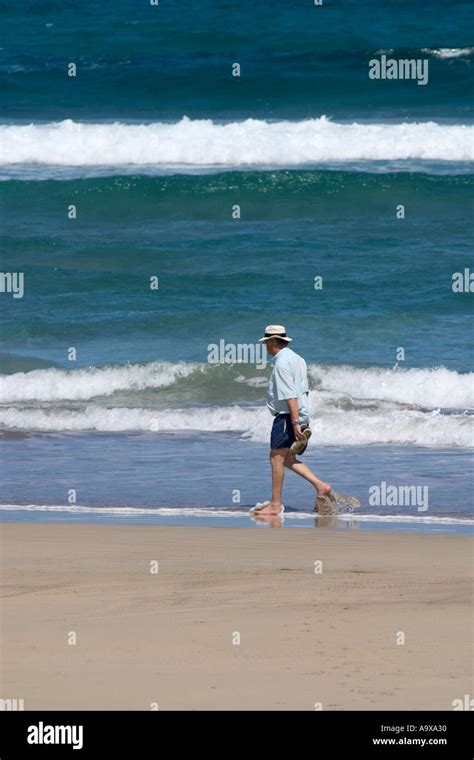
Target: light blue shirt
(289, 379)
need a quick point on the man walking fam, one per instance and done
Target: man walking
(287, 400)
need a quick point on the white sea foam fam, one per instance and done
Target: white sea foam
(349, 406)
(89, 382)
(428, 388)
(122, 419)
(223, 512)
(202, 142)
(331, 426)
(449, 52)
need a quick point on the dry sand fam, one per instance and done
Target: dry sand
(167, 638)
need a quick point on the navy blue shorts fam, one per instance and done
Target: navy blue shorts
(283, 434)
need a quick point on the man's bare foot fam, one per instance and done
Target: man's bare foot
(268, 508)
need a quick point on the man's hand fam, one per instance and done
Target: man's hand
(299, 435)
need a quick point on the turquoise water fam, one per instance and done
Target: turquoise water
(387, 281)
(155, 144)
(297, 60)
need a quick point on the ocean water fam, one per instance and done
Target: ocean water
(106, 388)
(298, 61)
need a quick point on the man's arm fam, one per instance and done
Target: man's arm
(294, 412)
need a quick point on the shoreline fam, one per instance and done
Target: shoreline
(135, 477)
(213, 517)
(310, 633)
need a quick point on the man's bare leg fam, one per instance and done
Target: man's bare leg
(303, 470)
(277, 461)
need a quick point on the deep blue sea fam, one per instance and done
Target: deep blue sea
(156, 205)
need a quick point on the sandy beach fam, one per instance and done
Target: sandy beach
(321, 617)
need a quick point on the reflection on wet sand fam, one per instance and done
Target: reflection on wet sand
(320, 521)
(274, 521)
(331, 521)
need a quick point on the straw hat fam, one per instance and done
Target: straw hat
(275, 331)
